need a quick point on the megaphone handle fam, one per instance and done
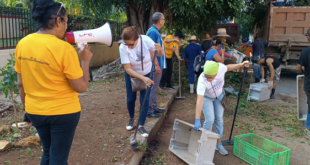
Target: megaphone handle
(81, 45)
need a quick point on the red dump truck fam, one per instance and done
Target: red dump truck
(286, 26)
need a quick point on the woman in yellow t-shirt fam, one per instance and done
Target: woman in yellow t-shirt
(49, 79)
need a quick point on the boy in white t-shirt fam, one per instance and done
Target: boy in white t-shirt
(210, 94)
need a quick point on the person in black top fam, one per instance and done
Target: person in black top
(258, 52)
(206, 44)
(303, 62)
(273, 73)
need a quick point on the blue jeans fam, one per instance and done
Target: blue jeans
(257, 72)
(131, 100)
(56, 133)
(214, 111)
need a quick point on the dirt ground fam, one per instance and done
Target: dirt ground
(101, 136)
(272, 119)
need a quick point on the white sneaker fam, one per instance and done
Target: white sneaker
(143, 132)
(220, 148)
(130, 124)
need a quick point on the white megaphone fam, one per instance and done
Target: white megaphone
(102, 35)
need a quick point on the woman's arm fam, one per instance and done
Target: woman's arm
(218, 58)
(20, 87)
(159, 49)
(231, 67)
(226, 54)
(199, 105)
(80, 85)
(133, 73)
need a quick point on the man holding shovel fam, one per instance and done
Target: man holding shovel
(171, 44)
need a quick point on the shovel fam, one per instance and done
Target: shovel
(180, 95)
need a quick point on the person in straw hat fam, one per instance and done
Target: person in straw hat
(221, 34)
(210, 94)
(189, 55)
(205, 45)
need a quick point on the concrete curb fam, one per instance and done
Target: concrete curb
(152, 127)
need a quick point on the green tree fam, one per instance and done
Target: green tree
(9, 83)
(194, 15)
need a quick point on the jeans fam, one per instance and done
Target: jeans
(308, 100)
(214, 111)
(153, 97)
(56, 133)
(167, 75)
(257, 72)
(131, 100)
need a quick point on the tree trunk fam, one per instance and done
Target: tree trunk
(139, 16)
(15, 112)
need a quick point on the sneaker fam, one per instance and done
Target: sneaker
(220, 148)
(159, 111)
(143, 132)
(161, 88)
(171, 88)
(130, 124)
(153, 115)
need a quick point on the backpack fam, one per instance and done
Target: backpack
(199, 61)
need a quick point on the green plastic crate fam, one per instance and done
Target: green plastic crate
(257, 150)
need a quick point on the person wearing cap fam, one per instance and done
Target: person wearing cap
(205, 45)
(171, 44)
(210, 94)
(304, 61)
(221, 34)
(246, 49)
(190, 53)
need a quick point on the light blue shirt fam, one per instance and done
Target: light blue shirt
(154, 34)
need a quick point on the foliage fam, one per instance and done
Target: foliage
(9, 75)
(192, 15)
(254, 11)
(301, 2)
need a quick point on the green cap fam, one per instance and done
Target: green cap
(211, 68)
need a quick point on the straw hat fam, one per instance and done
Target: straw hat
(222, 33)
(208, 37)
(193, 38)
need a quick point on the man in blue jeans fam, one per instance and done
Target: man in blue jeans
(154, 33)
(304, 61)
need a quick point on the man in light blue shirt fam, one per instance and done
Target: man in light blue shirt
(160, 63)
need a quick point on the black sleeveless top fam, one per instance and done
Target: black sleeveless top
(276, 62)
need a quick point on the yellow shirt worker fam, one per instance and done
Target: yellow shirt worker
(171, 44)
(50, 75)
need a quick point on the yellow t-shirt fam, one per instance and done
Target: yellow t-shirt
(46, 63)
(170, 47)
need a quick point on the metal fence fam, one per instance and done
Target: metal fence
(16, 23)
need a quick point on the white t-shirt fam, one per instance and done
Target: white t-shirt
(133, 56)
(204, 87)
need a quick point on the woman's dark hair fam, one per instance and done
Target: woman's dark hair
(44, 12)
(216, 41)
(130, 33)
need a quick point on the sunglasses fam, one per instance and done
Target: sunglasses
(61, 6)
(128, 44)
